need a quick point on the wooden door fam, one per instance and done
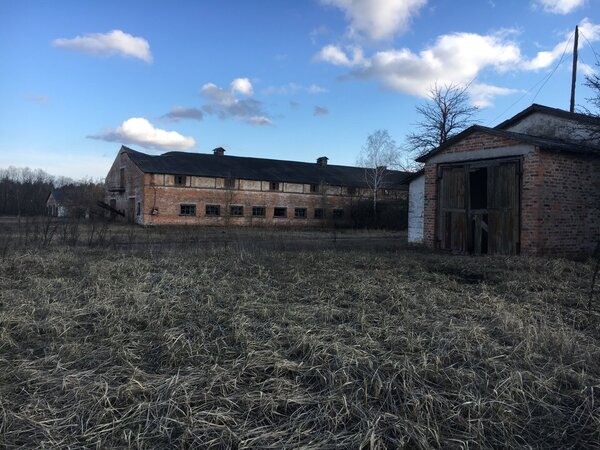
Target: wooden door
(503, 208)
(453, 213)
(479, 207)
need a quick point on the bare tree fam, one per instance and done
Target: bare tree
(591, 131)
(378, 154)
(446, 113)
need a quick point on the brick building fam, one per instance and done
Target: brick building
(215, 189)
(530, 185)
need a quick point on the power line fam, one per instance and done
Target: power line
(553, 70)
(591, 47)
(544, 80)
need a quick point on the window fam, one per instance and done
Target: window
(138, 210)
(279, 212)
(319, 213)
(274, 186)
(300, 213)
(258, 211)
(338, 213)
(229, 183)
(236, 210)
(179, 180)
(213, 210)
(122, 178)
(187, 210)
(314, 188)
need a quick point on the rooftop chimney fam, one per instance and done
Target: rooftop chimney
(322, 161)
(219, 151)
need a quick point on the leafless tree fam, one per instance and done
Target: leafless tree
(592, 130)
(447, 112)
(379, 153)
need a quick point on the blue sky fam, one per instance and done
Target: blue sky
(266, 78)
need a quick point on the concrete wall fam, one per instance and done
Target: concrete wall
(546, 125)
(416, 203)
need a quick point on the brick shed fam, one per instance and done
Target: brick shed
(530, 185)
(214, 189)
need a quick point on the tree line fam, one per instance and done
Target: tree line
(24, 191)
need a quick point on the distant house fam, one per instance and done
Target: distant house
(530, 185)
(58, 203)
(214, 189)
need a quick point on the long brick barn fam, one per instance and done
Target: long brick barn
(530, 185)
(216, 189)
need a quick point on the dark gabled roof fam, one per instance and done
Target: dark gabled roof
(60, 196)
(414, 175)
(210, 165)
(577, 117)
(541, 142)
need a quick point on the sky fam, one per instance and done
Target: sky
(282, 79)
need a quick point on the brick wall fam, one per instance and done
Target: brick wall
(480, 141)
(560, 199)
(158, 193)
(476, 141)
(560, 204)
(133, 185)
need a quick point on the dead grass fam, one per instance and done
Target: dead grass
(250, 346)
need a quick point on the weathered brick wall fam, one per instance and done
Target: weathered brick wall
(480, 141)
(560, 201)
(159, 193)
(560, 204)
(168, 200)
(430, 208)
(476, 141)
(133, 186)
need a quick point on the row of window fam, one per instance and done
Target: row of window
(180, 180)
(259, 211)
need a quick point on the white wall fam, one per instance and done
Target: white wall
(416, 203)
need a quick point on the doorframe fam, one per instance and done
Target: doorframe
(466, 165)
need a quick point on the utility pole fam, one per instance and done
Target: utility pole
(574, 76)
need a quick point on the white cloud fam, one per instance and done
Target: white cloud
(180, 113)
(378, 19)
(453, 59)
(482, 95)
(545, 58)
(560, 6)
(224, 104)
(333, 54)
(293, 88)
(115, 42)
(140, 131)
(242, 85)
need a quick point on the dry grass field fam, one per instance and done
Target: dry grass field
(289, 340)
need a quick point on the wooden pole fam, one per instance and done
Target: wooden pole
(574, 76)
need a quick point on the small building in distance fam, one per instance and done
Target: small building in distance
(530, 185)
(183, 188)
(58, 203)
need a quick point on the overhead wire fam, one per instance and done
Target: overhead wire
(543, 80)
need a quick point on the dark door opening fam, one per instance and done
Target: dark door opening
(478, 212)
